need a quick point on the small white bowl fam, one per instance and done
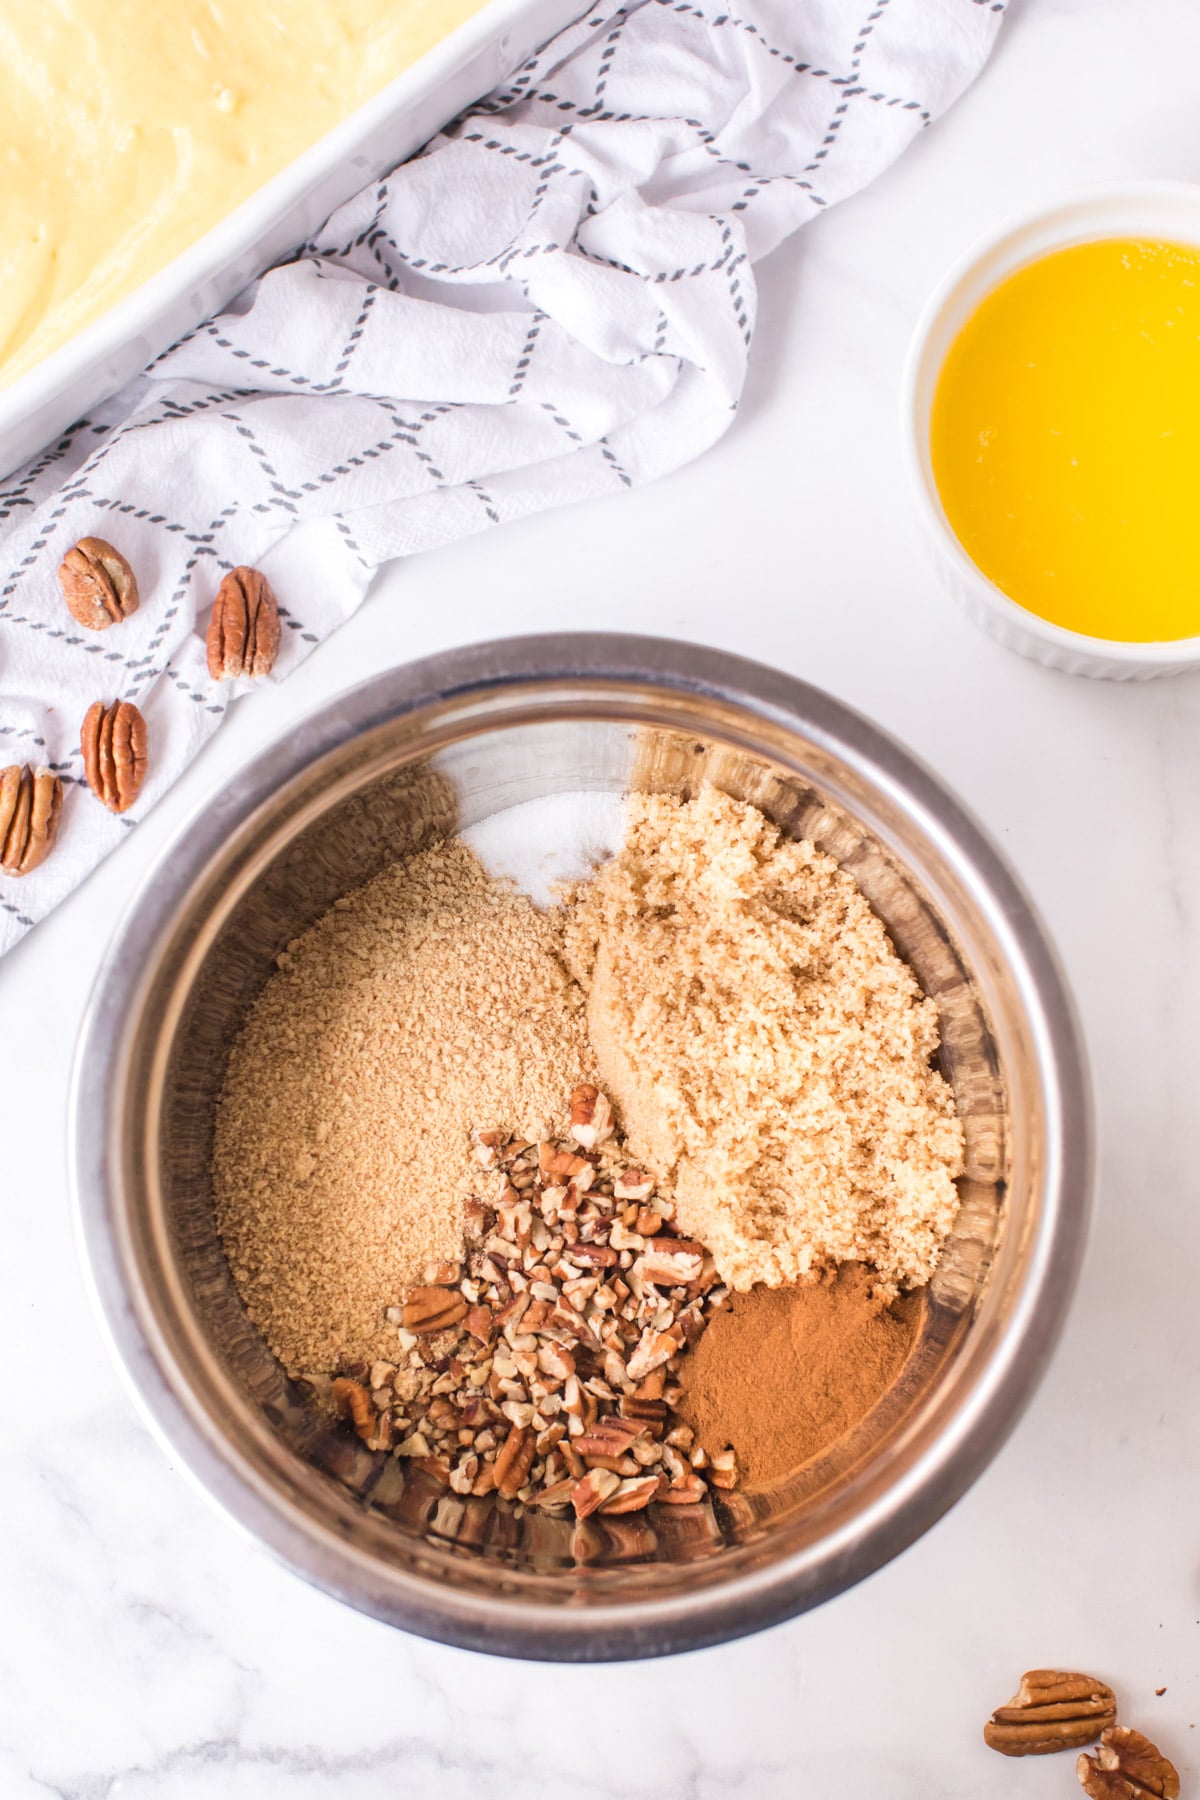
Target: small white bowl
(1150, 209)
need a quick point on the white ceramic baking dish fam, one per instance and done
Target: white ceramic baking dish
(467, 64)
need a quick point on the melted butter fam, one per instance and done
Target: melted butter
(1066, 438)
(128, 128)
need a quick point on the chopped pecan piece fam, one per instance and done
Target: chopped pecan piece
(113, 742)
(480, 1321)
(243, 633)
(609, 1437)
(30, 808)
(597, 1486)
(723, 1469)
(488, 1145)
(514, 1461)
(646, 1412)
(591, 1116)
(562, 1168)
(555, 1360)
(654, 1349)
(352, 1401)
(684, 1490)
(670, 1263)
(633, 1184)
(558, 1495)
(437, 1466)
(632, 1495)
(98, 585)
(599, 1256)
(1127, 1766)
(1051, 1710)
(443, 1274)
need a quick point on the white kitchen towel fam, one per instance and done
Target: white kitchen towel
(553, 301)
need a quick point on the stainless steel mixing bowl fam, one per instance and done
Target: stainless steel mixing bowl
(383, 770)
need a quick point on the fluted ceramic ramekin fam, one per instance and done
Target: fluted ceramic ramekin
(387, 768)
(1151, 209)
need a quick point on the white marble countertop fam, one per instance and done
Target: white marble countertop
(148, 1649)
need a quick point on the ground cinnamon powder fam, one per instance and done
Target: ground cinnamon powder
(783, 1373)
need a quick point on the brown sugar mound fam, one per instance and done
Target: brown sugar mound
(783, 1373)
(767, 1049)
(428, 1001)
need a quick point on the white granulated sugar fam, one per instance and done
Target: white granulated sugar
(543, 843)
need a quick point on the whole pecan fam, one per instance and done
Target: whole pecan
(98, 585)
(243, 633)
(113, 740)
(1051, 1710)
(1127, 1766)
(30, 808)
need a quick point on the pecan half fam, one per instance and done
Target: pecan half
(30, 808)
(1127, 1766)
(243, 633)
(113, 741)
(432, 1308)
(98, 585)
(1051, 1710)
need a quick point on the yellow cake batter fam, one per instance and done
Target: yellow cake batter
(129, 127)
